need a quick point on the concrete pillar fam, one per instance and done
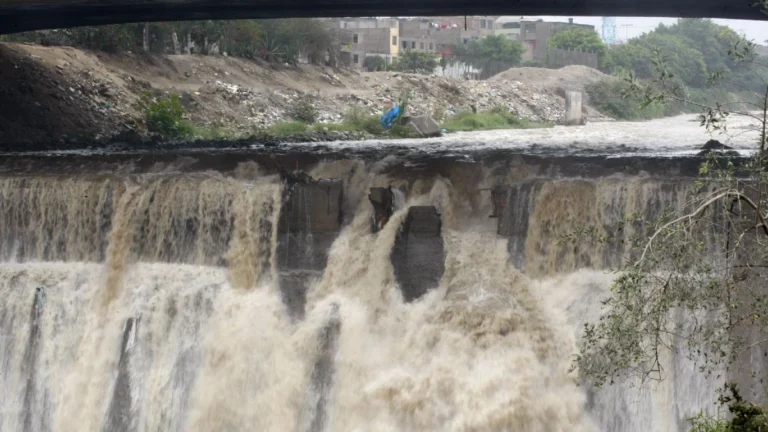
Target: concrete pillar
(310, 221)
(176, 45)
(573, 113)
(145, 41)
(418, 256)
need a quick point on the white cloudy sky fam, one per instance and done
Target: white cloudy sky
(631, 27)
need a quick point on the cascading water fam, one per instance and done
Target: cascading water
(158, 302)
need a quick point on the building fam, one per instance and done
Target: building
(417, 35)
(367, 37)
(533, 34)
(388, 37)
(540, 32)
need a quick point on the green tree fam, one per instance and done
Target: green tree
(577, 38)
(693, 281)
(492, 54)
(683, 61)
(627, 58)
(243, 39)
(416, 62)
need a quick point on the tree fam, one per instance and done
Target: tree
(627, 58)
(416, 62)
(243, 39)
(577, 38)
(375, 63)
(694, 279)
(492, 54)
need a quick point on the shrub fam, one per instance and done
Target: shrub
(356, 119)
(302, 110)
(404, 102)
(166, 117)
(707, 423)
(497, 117)
(438, 113)
(746, 417)
(401, 131)
(284, 129)
(609, 97)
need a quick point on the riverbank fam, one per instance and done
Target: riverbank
(64, 94)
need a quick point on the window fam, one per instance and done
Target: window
(421, 45)
(430, 46)
(394, 40)
(405, 44)
(355, 59)
(413, 45)
(483, 24)
(355, 39)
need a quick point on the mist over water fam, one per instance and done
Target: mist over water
(154, 303)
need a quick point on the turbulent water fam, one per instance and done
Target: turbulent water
(153, 303)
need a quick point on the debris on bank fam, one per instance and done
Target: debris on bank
(64, 91)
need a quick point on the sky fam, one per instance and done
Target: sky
(633, 27)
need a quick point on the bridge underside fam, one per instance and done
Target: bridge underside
(25, 15)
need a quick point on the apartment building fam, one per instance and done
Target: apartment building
(388, 37)
(366, 37)
(416, 35)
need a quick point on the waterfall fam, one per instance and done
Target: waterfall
(223, 301)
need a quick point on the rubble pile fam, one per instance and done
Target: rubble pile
(439, 97)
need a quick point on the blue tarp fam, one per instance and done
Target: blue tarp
(389, 117)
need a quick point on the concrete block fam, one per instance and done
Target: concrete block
(573, 109)
(425, 126)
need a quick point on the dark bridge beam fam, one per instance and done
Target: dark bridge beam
(24, 15)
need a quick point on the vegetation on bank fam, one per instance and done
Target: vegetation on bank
(691, 280)
(704, 62)
(165, 117)
(497, 117)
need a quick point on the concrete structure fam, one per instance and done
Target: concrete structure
(22, 15)
(538, 33)
(557, 58)
(508, 26)
(424, 126)
(366, 37)
(533, 34)
(573, 109)
(418, 254)
(417, 34)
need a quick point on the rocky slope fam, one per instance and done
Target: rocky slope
(50, 92)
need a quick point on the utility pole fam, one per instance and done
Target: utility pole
(626, 31)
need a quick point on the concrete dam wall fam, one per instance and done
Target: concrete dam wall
(291, 291)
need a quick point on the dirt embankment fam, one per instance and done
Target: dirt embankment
(50, 92)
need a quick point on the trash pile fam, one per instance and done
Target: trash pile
(439, 97)
(543, 101)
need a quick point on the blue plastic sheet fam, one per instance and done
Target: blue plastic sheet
(389, 117)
